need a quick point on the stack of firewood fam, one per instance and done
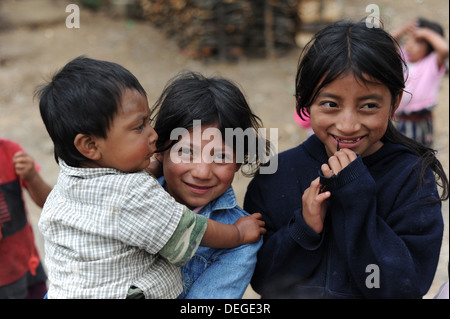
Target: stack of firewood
(226, 29)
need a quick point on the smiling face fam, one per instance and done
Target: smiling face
(130, 140)
(353, 113)
(198, 171)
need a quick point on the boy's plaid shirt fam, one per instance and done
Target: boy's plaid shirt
(103, 232)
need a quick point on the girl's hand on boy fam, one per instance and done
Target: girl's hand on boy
(155, 168)
(315, 205)
(338, 162)
(250, 228)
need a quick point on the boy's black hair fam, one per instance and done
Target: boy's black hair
(371, 54)
(424, 23)
(83, 97)
(217, 101)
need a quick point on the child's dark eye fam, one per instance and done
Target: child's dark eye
(328, 104)
(145, 122)
(370, 106)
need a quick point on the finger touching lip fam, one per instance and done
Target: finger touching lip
(348, 142)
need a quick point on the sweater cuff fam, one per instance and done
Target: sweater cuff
(302, 234)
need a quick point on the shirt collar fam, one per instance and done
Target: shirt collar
(84, 172)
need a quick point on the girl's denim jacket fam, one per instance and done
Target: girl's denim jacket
(219, 273)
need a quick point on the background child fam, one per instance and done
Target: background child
(21, 272)
(110, 230)
(364, 221)
(425, 50)
(202, 180)
(304, 122)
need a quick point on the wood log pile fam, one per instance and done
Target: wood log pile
(226, 29)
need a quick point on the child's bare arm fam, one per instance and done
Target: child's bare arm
(438, 43)
(246, 230)
(194, 230)
(397, 34)
(25, 169)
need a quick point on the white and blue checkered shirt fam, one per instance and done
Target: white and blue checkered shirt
(103, 229)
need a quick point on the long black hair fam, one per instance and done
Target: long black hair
(369, 53)
(213, 100)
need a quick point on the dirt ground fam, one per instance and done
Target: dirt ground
(35, 42)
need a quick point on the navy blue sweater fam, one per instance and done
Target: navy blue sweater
(382, 231)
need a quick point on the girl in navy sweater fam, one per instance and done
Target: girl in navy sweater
(354, 211)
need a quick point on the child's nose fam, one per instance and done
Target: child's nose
(201, 170)
(153, 136)
(348, 122)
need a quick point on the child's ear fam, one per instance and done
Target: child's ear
(87, 146)
(396, 104)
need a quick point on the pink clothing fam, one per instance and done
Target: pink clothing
(305, 123)
(422, 84)
(198, 209)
